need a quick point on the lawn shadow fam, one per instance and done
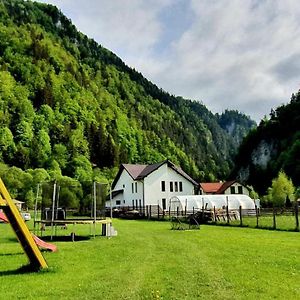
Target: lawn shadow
(67, 238)
(11, 254)
(22, 270)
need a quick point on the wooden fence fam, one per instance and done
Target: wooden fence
(267, 218)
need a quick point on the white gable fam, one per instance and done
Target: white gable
(154, 189)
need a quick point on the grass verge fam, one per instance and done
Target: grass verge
(149, 261)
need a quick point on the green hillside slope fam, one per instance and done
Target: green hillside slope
(236, 124)
(73, 108)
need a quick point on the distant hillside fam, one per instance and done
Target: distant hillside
(272, 146)
(73, 108)
(236, 124)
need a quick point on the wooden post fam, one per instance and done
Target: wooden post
(158, 211)
(150, 210)
(241, 217)
(274, 218)
(193, 210)
(169, 212)
(215, 217)
(296, 215)
(185, 211)
(227, 213)
(177, 212)
(163, 215)
(147, 212)
(256, 214)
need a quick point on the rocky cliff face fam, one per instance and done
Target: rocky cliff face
(273, 146)
(263, 153)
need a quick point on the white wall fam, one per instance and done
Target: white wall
(125, 182)
(245, 191)
(153, 187)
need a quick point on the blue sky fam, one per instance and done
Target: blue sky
(236, 54)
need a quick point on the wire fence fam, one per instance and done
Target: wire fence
(266, 218)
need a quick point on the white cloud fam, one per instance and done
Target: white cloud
(127, 27)
(228, 53)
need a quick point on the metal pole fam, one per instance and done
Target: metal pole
(110, 198)
(35, 205)
(57, 202)
(53, 205)
(95, 208)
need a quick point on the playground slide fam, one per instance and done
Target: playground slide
(3, 217)
(38, 241)
(43, 244)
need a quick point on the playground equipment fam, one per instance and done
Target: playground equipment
(13, 216)
(62, 203)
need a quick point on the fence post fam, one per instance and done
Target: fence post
(256, 213)
(177, 211)
(157, 211)
(163, 214)
(227, 214)
(169, 212)
(296, 215)
(241, 217)
(147, 212)
(193, 210)
(150, 210)
(185, 211)
(215, 217)
(274, 218)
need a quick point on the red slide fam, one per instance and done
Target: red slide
(3, 217)
(38, 241)
(43, 244)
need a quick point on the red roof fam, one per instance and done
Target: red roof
(216, 187)
(211, 187)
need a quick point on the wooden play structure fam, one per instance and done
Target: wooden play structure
(26, 239)
(58, 219)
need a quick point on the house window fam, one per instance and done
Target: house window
(171, 186)
(124, 201)
(180, 186)
(132, 188)
(240, 189)
(136, 187)
(232, 190)
(118, 202)
(163, 202)
(176, 186)
(163, 186)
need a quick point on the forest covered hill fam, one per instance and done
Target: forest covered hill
(71, 108)
(273, 146)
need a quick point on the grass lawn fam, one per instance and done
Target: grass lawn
(149, 261)
(282, 222)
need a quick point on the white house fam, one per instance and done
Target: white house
(141, 185)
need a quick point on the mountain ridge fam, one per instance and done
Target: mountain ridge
(73, 106)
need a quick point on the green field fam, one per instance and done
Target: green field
(149, 261)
